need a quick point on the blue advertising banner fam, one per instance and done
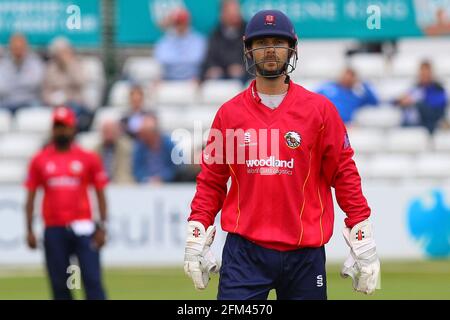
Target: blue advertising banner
(138, 21)
(42, 20)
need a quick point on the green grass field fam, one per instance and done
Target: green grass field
(400, 280)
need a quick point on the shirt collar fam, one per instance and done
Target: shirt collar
(254, 93)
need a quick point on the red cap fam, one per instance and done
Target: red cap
(181, 16)
(65, 116)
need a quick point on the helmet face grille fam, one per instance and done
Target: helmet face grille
(270, 23)
(257, 68)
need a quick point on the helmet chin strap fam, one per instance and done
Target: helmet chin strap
(287, 79)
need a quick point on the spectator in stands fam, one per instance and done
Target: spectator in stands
(440, 25)
(348, 94)
(152, 161)
(224, 57)
(64, 80)
(115, 152)
(21, 73)
(132, 120)
(181, 50)
(426, 102)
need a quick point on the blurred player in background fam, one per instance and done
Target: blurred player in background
(279, 210)
(65, 171)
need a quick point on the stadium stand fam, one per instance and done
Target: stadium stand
(390, 167)
(441, 141)
(141, 69)
(384, 149)
(367, 140)
(408, 140)
(12, 172)
(216, 92)
(93, 91)
(19, 146)
(384, 116)
(33, 120)
(88, 140)
(118, 96)
(183, 93)
(5, 121)
(369, 65)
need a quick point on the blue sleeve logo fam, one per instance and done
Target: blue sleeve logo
(431, 225)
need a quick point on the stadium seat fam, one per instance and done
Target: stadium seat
(441, 65)
(430, 165)
(219, 91)
(441, 141)
(424, 45)
(93, 67)
(5, 121)
(19, 145)
(362, 163)
(446, 84)
(95, 84)
(366, 140)
(409, 140)
(310, 84)
(368, 65)
(12, 172)
(88, 140)
(173, 117)
(378, 117)
(390, 166)
(142, 69)
(119, 94)
(37, 120)
(93, 96)
(105, 113)
(407, 64)
(176, 93)
(310, 48)
(319, 66)
(199, 115)
(392, 88)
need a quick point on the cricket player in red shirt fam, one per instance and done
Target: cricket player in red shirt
(65, 171)
(284, 147)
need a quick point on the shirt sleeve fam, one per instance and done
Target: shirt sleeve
(98, 175)
(370, 97)
(212, 179)
(339, 168)
(34, 178)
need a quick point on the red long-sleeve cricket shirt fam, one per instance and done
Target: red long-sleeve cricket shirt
(283, 163)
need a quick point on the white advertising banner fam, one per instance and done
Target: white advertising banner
(147, 224)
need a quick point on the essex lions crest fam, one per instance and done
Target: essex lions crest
(293, 139)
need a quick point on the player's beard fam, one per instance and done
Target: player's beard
(271, 74)
(62, 141)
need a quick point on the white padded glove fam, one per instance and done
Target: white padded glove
(362, 265)
(199, 261)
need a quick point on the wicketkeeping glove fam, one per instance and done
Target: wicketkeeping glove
(362, 265)
(199, 261)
